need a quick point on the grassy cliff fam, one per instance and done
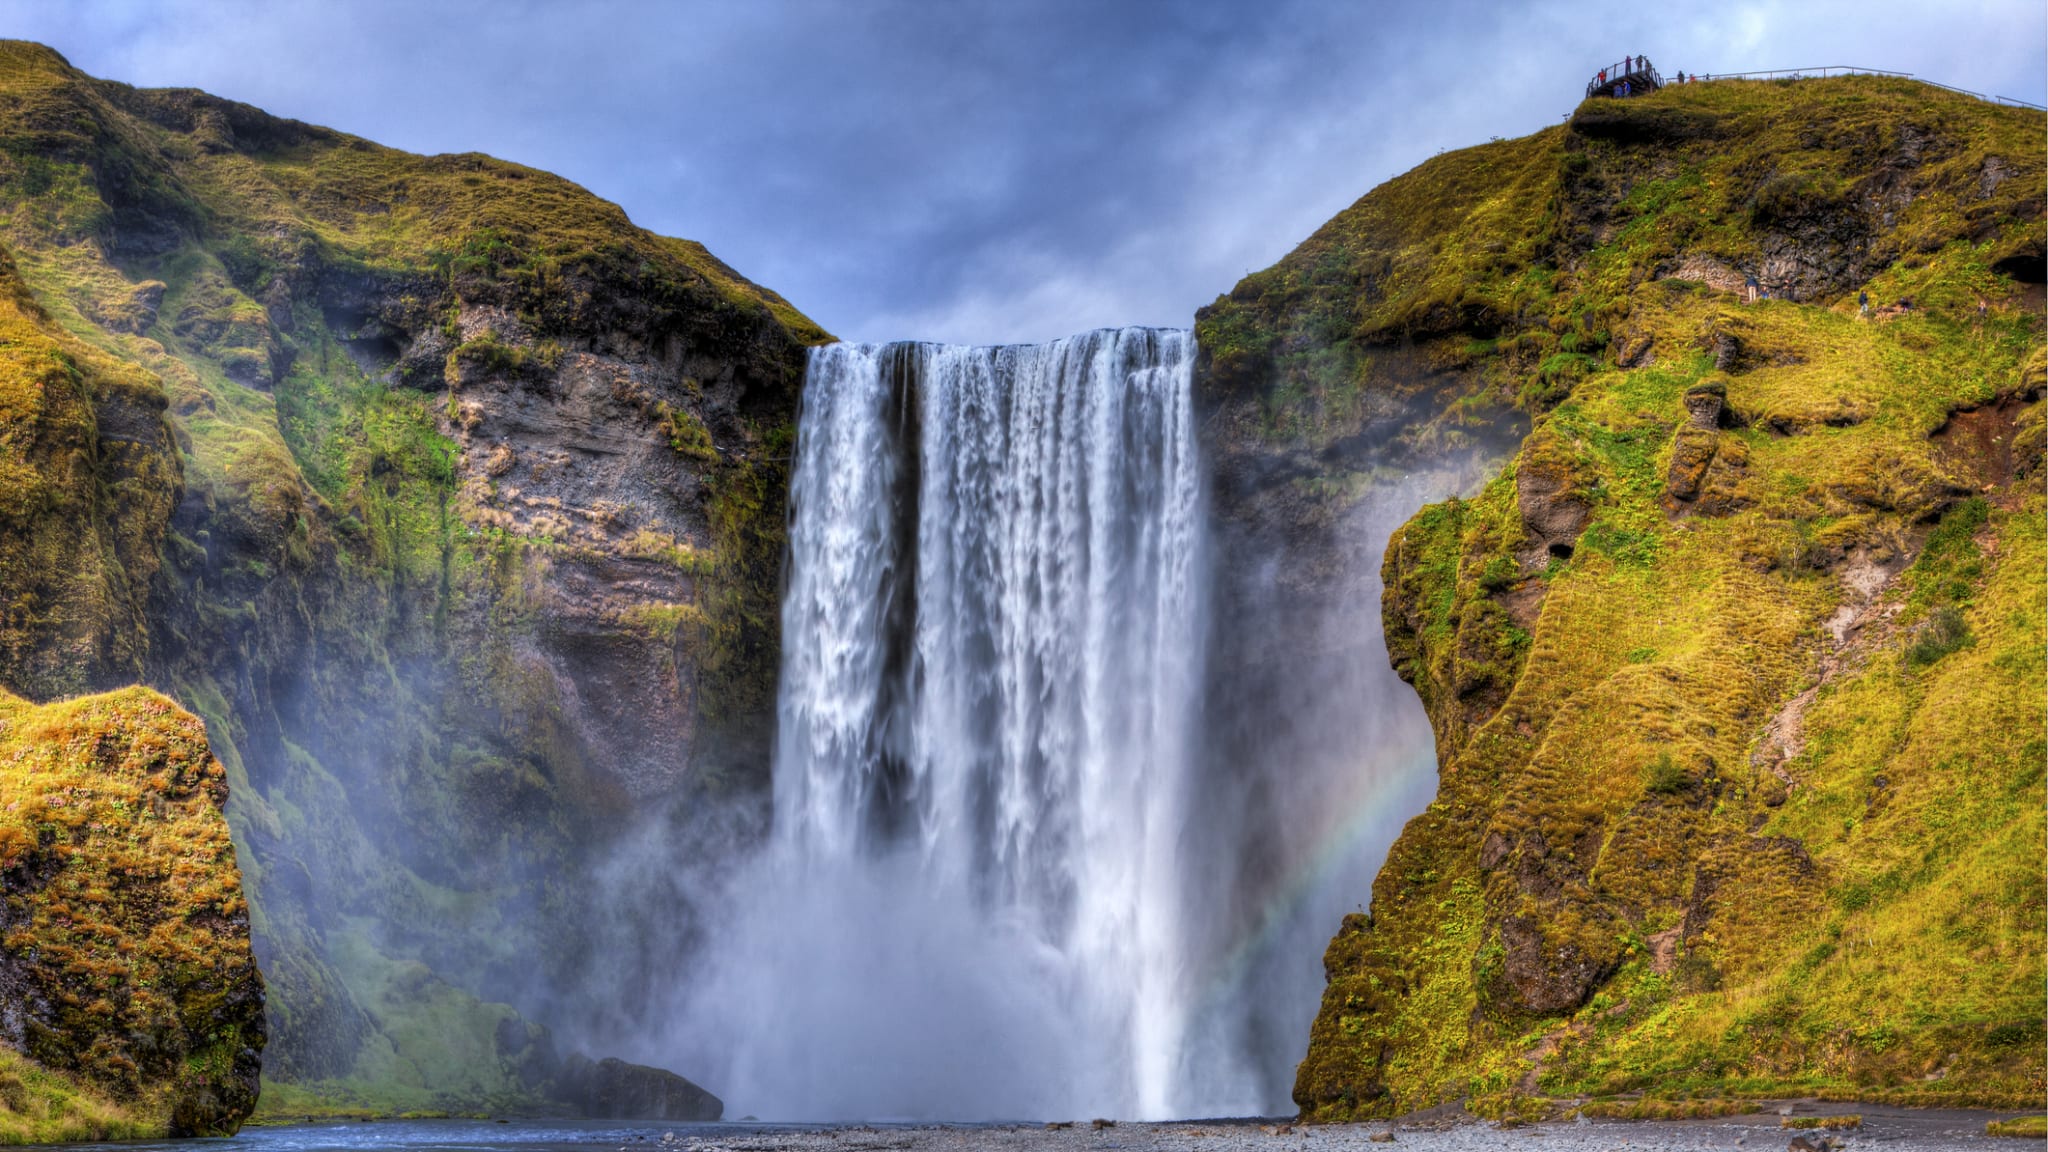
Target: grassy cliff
(448, 497)
(1736, 668)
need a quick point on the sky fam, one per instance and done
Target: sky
(988, 171)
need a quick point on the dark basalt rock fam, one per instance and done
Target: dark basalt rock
(611, 1089)
(1548, 978)
(1704, 402)
(1691, 453)
(1553, 512)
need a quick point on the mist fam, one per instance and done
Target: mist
(1067, 800)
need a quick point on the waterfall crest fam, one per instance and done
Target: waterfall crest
(972, 903)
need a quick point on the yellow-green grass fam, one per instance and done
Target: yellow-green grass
(1836, 1123)
(176, 248)
(1862, 932)
(38, 1106)
(126, 915)
(77, 579)
(2027, 1127)
(1466, 248)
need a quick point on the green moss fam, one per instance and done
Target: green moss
(38, 1106)
(76, 577)
(687, 434)
(112, 817)
(421, 770)
(1835, 1123)
(1664, 775)
(1656, 911)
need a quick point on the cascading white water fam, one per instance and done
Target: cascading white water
(972, 903)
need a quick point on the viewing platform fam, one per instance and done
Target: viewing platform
(1633, 76)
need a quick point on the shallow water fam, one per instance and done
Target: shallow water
(443, 1136)
(1890, 1129)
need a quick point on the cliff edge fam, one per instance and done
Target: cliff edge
(448, 497)
(1735, 670)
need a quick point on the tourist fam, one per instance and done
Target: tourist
(1863, 303)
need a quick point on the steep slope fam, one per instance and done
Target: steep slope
(465, 546)
(1735, 670)
(127, 970)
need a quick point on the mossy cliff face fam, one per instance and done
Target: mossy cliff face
(88, 478)
(450, 499)
(127, 971)
(1736, 669)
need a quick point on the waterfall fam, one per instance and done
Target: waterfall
(972, 904)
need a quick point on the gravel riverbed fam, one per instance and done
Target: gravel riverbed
(1894, 1130)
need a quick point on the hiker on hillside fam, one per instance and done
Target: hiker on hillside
(1863, 303)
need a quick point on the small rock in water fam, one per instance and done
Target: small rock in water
(1057, 1125)
(1099, 1122)
(1385, 1137)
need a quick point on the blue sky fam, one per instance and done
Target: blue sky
(982, 171)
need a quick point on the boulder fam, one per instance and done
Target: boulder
(612, 1089)
(126, 966)
(1548, 494)
(1704, 402)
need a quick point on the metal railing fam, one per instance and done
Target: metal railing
(1851, 69)
(2008, 101)
(1800, 73)
(1618, 71)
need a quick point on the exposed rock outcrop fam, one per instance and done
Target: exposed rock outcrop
(612, 1089)
(451, 499)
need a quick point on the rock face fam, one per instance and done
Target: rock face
(125, 961)
(611, 1089)
(1711, 662)
(448, 497)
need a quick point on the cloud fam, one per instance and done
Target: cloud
(987, 171)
